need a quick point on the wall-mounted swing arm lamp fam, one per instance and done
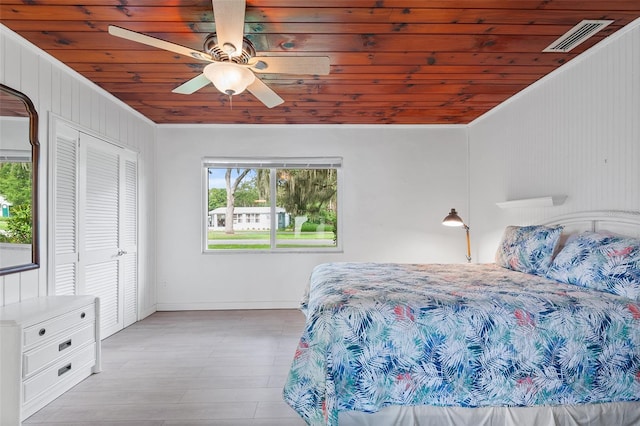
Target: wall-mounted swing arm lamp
(453, 219)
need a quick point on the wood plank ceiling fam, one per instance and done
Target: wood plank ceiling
(392, 61)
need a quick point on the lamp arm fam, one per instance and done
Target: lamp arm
(466, 228)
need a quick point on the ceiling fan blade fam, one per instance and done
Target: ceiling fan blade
(318, 65)
(229, 18)
(156, 42)
(192, 85)
(264, 93)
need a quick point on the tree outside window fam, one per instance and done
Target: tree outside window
(15, 202)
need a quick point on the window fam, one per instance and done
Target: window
(15, 200)
(283, 204)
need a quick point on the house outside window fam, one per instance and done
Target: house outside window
(277, 204)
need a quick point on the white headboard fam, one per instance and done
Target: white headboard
(615, 221)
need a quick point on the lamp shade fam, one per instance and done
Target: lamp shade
(453, 219)
(229, 77)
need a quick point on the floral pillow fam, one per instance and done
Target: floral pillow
(603, 262)
(528, 249)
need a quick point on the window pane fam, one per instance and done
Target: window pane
(306, 208)
(15, 206)
(247, 205)
(241, 202)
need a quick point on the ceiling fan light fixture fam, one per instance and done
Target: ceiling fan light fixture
(229, 77)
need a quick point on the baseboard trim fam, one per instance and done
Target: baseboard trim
(220, 306)
(151, 309)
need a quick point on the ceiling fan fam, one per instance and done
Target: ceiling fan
(232, 57)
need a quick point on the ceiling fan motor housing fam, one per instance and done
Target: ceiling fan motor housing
(213, 48)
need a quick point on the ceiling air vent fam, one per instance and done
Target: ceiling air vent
(577, 35)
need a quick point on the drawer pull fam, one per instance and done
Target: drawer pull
(42, 331)
(64, 345)
(64, 369)
(82, 315)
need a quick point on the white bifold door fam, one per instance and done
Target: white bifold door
(95, 218)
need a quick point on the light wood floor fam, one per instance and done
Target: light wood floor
(188, 368)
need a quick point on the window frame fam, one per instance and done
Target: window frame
(271, 163)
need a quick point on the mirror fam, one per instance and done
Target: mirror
(18, 182)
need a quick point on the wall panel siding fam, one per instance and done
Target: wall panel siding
(575, 132)
(55, 89)
(13, 287)
(12, 67)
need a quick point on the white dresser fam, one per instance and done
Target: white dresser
(47, 346)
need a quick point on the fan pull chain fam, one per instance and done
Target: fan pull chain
(230, 102)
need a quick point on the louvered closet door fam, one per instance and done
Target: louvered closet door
(65, 210)
(100, 251)
(129, 236)
(95, 224)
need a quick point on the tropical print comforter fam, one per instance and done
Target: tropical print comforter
(458, 335)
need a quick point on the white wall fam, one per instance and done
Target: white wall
(399, 183)
(574, 133)
(14, 134)
(56, 89)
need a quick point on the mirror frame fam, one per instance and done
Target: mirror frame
(35, 150)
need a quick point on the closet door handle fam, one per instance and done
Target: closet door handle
(121, 252)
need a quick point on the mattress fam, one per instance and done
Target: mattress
(381, 334)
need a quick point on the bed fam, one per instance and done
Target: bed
(549, 334)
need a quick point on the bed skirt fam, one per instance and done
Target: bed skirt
(605, 414)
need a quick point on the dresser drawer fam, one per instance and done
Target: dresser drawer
(58, 372)
(66, 343)
(47, 329)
